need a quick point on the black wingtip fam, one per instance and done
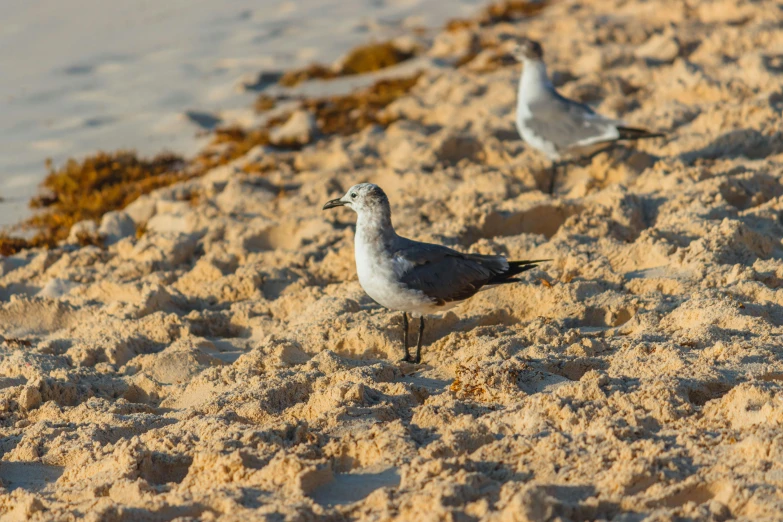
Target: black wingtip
(632, 133)
(515, 268)
(528, 264)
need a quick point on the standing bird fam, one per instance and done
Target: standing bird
(409, 276)
(556, 126)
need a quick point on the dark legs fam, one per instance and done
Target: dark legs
(407, 356)
(553, 174)
(421, 335)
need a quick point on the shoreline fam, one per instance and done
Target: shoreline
(149, 85)
(366, 79)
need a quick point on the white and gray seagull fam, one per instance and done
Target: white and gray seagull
(410, 276)
(556, 126)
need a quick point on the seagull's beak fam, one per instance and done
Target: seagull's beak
(334, 203)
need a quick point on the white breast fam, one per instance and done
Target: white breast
(533, 84)
(379, 276)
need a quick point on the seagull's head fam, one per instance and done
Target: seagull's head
(362, 197)
(528, 49)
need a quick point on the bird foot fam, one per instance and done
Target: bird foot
(410, 359)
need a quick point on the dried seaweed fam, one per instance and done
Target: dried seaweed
(15, 341)
(88, 189)
(373, 57)
(10, 245)
(311, 72)
(364, 59)
(348, 114)
(498, 12)
(264, 103)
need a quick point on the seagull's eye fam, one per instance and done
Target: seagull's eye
(353, 195)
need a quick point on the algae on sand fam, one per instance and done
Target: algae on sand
(348, 114)
(364, 59)
(100, 183)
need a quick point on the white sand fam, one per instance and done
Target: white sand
(77, 76)
(228, 366)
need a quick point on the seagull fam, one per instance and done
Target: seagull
(553, 124)
(413, 277)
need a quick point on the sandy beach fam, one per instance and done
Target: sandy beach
(215, 357)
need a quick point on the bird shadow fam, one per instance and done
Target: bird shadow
(748, 143)
(619, 152)
(576, 502)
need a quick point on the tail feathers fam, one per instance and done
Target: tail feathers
(514, 268)
(631, 133)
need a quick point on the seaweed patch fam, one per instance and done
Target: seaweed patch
(367, 58)
(87, 189)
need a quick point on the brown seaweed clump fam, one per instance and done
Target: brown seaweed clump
(373, 57)
(311, 72)
(351, 113)
(363, 59)
(341, 115)
(498, 12)
(510, 10)
(264, 103)
(89, 188)
(10, 245)
(230, 143)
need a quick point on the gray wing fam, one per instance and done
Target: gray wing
(567, 123)
(443, 274)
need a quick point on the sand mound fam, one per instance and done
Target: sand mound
(227, 364)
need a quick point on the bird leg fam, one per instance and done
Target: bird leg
(421, 336)
(562, 165)
(553, 177)
(407, 356)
